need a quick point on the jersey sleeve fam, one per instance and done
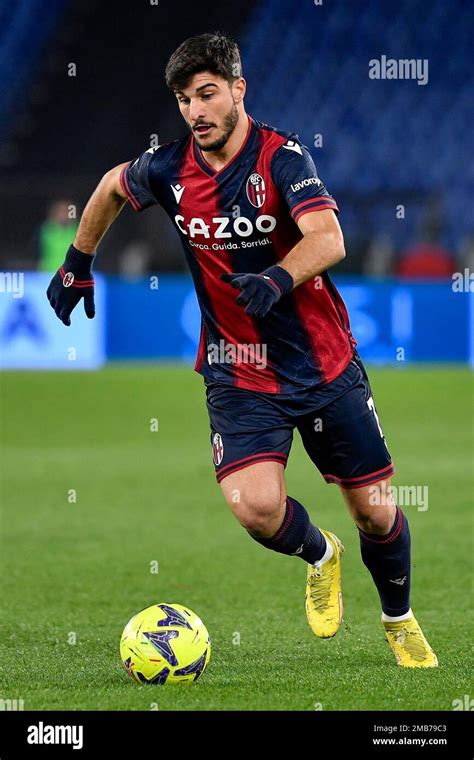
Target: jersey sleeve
(134, 181)
(294, 174)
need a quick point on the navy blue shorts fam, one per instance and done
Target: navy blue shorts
(338, 424)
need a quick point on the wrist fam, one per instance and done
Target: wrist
(82, 262)
(281, 278)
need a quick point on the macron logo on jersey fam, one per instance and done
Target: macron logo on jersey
(178, 190)
(292, 145)
(150, 150)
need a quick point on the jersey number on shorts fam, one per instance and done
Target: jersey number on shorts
(371, 405)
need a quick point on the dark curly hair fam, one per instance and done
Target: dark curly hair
(215, 52)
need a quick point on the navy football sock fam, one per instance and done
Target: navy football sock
(296, 535)
(388, 560)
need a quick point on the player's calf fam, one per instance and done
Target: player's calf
(385, 547)
(257, 496)
(384, 543)
(258, 499)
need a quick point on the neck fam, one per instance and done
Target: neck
(218, 158)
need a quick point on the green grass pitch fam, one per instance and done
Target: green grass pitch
(74, 573)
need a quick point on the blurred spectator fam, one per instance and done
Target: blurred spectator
(134, 261)
(379, 259)
(466, 253)
(428, 257)
(426, 260)
(56, 234)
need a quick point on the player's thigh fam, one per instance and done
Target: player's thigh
(247, 428)
(251, 437)
(345, 440)
(257, 494)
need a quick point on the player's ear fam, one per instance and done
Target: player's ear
(239, 88)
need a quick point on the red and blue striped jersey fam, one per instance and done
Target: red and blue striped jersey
(242, 218)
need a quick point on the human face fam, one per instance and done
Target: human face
(209, 107)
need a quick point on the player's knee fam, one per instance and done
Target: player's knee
(376, 521)
(257, 497)
(262, 514)
(372, 508)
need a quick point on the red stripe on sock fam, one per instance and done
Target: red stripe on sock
(289, 518)
(396, 528)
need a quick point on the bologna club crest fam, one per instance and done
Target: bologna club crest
(217, 449)
(256, 190)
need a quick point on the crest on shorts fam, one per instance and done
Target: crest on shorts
(217, 448)
(256, 190)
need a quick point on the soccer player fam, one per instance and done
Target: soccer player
(260, 231)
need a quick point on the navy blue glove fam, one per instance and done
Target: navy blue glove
(72, 282)
(260, 291)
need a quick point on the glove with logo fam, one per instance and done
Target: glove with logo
(260, 291)
(72, 282)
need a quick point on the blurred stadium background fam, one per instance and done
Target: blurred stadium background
(83, 90)
(396, 155)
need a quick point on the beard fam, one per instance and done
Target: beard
(228, 126)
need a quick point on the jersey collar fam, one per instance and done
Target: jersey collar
(207, 168)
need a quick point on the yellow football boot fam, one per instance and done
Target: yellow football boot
(409, 645)
(323, 599)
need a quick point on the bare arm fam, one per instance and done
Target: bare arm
(74, 280)
(102, 208)
(321, 246)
